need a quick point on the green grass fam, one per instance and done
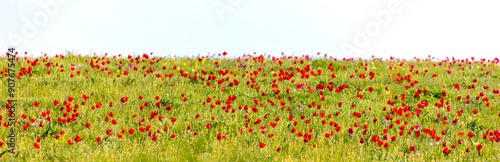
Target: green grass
(139, 146)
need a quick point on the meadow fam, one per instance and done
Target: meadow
(72, 107)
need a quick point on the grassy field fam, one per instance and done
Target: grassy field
(252, 108)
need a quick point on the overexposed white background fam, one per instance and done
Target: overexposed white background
(190, 27)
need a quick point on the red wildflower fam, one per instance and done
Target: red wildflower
(37, 146)
(262, 145)
(78, 138)
(446, 151)
(412, 148)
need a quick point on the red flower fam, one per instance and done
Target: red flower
(87, 125)
(479, 147)
(131, 131)
(470, 135)
(412, 148)
(262, 145)
(219, 137)
(70, 142)
(173, 135)
(351, 130)
(36, 104)
(78, 139)
(446, 151)
(124, 99)
(36, 145)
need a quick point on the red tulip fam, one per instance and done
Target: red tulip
(479, 147)
(446, 151)
(37, 146)
(412, 148)
(262, 145)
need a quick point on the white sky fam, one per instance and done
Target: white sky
(191, 27)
